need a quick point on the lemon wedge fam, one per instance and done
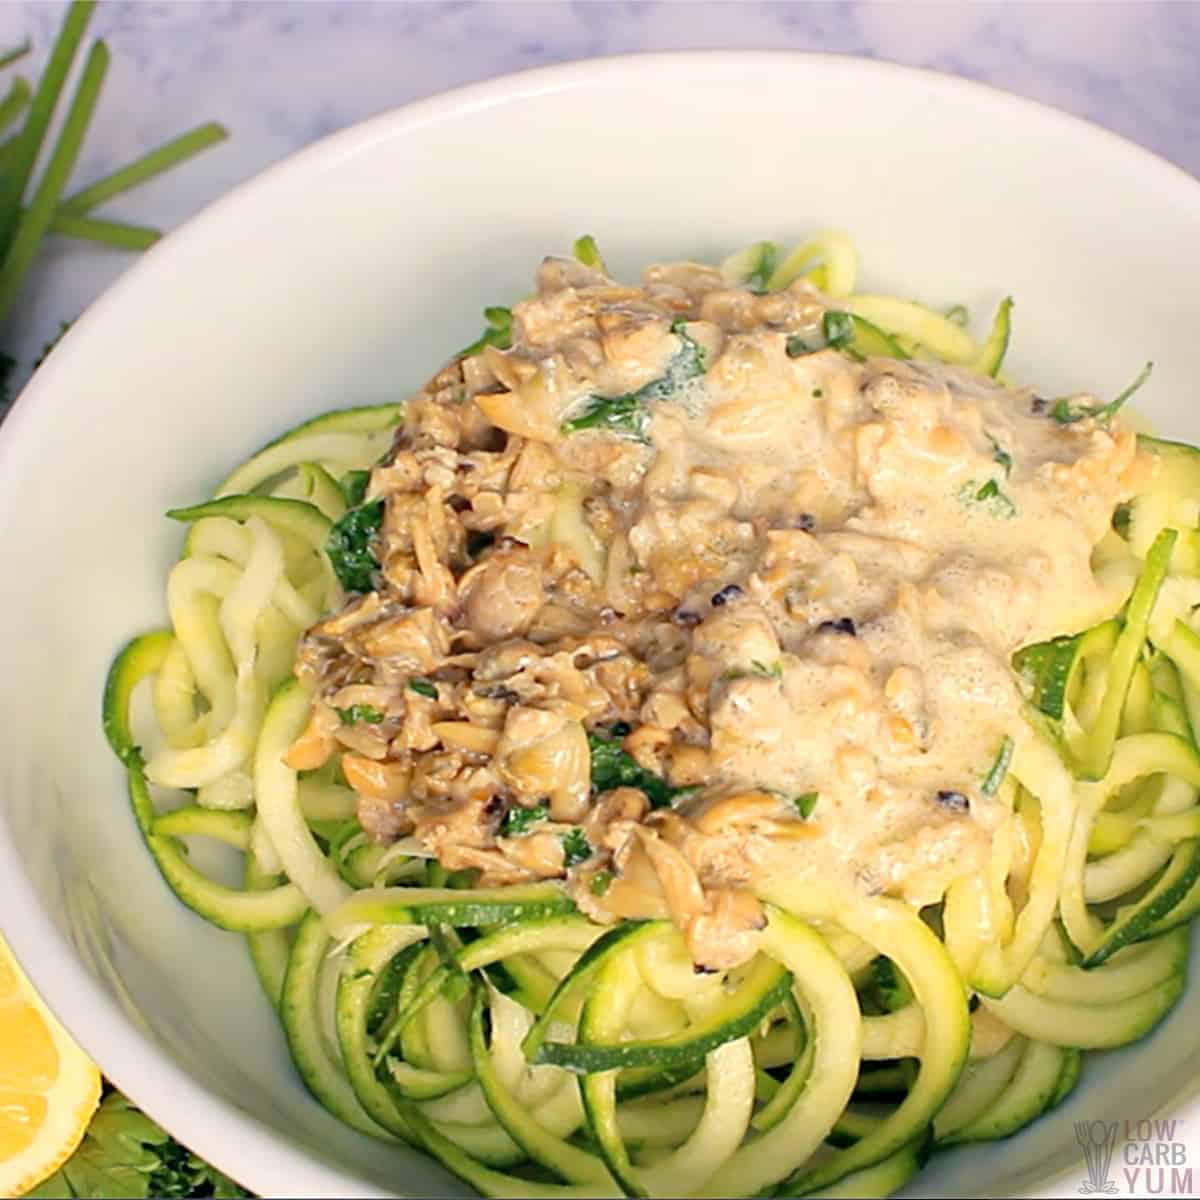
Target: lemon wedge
(49, 1088)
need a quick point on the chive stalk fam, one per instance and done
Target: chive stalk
(118, 235)
(35, 223)
(155, 162)
(14, 102)
(19, 165)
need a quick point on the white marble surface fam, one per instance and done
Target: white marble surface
(280, 74)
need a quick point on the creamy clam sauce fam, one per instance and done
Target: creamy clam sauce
(787, 582)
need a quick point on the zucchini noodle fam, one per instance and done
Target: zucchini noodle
(537, 1053)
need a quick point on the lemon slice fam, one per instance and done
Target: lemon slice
(49, 1088)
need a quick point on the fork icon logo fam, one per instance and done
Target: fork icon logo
(1097, 1140)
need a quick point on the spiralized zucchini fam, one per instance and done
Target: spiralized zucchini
(536, 1054)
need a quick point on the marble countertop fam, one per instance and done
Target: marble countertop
(280, 74)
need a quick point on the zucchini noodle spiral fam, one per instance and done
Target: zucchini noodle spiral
(538, 1053)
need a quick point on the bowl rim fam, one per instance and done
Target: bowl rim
(208, 1123)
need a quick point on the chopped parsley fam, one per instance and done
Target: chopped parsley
(1122, 515)
(588, 253)
(805, 803)
(989, 496)
(613, 767)
(756, 281)
(1000, 455)
(349, 547)
(575, 848)
(1066, 413)
(522, 820)
(995, 777)
(368, 714)
(619, 414)
(601, 882)
(423, 687)
(628, 414)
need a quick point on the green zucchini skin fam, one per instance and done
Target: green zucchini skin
(351, 437)
(765, 988)
(1168, 903)
(299, 517)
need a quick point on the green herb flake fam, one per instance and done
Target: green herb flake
(995, 777)
(423, 687)
(1121, 518)
(521, 820)
(575, 848)
(805, 803)
(797, 347)
(349, 547)
(368, 714)
(588, 253)
(1065, 413)
(988, 495)
(601, 882)
(628, 415)
(613, 767)
(1000, 455)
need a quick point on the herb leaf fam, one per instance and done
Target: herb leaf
(367, 713)
(124, 1153)
(613, 767)
(601, 882)
(576, 848)
(423, 687)
(1000, 455)
(588, 253)
(522, 820)
(805, 803)
(1065, 413)
(349, 547)
(995, 777)
(628, 414)
(988, 495)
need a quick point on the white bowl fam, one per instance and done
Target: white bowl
(345, 276)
